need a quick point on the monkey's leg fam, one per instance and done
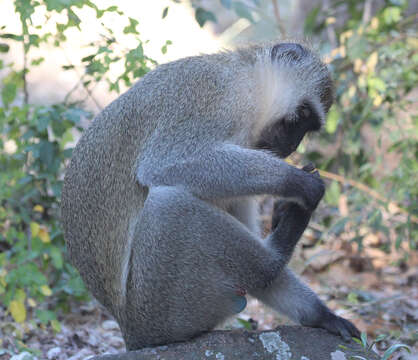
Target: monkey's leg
(288, 295)
(188, 259)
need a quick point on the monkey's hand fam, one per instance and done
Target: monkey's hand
(312, 191)
(311, 187)
(286, 212)
(335, 325)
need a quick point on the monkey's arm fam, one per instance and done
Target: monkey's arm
(230, 170)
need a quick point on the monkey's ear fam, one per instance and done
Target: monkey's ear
(292, 51)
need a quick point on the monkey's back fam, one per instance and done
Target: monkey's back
(100, 196)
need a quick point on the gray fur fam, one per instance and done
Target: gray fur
(157, 200)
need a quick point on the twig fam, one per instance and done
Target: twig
(69, 93)
(317, 227)
(367, 12)
(80, 78)
(278, 18)
(369, 191)
(25, 68)
(358, 307)
(332, 37)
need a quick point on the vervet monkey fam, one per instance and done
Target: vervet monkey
(158, 200)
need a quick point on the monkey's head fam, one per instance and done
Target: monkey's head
(301, 93)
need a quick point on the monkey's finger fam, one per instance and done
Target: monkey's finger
(309, 167)
(316, 173)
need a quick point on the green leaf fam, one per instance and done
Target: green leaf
(96, 67)
(377, 84)
(164, 48)
(380, 338)
(339, 226)
(45, 315)
(352, 298)
(391, 15)
(358, 341)
(75, 286)
(18, 311)
(42, 122)
(9, 93)
(37, 61)
(394, 348)
(226, 3)
(375, 219)
(310, 22)
(357, 46)
(333, 118)
(88, 58)
(112, 8)
(243, 11)
(4, 48)
(400, 3)
(202, 15)
(245, 324)
(57, 5)
(363, 338)
(56, 257)
(75, 115)
(333, 193)
(56, 326)
(131, 28)
(46, 153)
(165, 12)
(12, 37)
(26, 275)
(65, 139)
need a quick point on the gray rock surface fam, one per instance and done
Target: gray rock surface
(283, 343)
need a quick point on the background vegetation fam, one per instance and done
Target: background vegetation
(368, 150)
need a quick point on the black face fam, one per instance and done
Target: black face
(285, 135)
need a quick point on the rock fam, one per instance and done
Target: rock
(318, 259)
(23, 356)
(115, 341)
(81, 355)
(93, 340)
(53, 353)
(284, 343)
(110, 325)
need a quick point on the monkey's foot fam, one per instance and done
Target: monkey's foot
(339, 326)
